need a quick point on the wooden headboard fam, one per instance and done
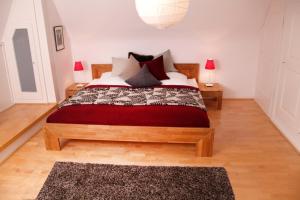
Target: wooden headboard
(191, 70)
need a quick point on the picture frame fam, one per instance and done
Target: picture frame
(59, 38)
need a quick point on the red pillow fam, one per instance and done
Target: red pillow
(156, 67)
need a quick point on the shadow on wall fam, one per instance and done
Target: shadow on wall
(61, 61)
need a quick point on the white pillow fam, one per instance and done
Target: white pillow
(193, 82)
(125, 68)
(174, 81)
(176, 78)
(113, 80)
(106, 75)
(176, 75)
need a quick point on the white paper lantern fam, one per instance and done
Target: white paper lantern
(162, 13)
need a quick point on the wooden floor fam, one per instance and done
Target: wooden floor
(18, 118)
(260, 162)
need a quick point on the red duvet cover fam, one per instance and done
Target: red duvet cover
(150, 115)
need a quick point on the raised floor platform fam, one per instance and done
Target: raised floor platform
(19, 119)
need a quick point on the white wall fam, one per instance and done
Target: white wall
(4, 11)
(56, 66)
(228, 31)
(278, 77)
(286, 109)
(29, 14)
(61, 61)
(44, 51)
(269, 58)
(6, 99)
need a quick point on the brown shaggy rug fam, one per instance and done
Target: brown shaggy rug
(94, 181)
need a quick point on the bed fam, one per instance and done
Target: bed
(157, 124)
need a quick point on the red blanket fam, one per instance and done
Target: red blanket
(156, 115)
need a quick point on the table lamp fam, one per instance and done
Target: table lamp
(78, 67)
(210, 66)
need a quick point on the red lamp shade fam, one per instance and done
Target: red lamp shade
(210, 64)
(78, 66)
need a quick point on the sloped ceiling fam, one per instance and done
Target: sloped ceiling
(118, 18)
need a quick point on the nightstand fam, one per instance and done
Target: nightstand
(211, 93)
(75, 87)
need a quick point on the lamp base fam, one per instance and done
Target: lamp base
(209, 84)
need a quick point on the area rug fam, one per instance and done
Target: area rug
(111, 182)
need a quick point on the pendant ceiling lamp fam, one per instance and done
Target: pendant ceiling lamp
(162, 13)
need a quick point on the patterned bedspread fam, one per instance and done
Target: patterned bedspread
(127, 96)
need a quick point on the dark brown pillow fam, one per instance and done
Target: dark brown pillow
(143, 78)
(156, 67)
(140, 58)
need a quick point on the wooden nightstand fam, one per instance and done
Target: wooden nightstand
(214, 92)
(72, 89)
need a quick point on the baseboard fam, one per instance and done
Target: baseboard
(293, 138)
(27, 135)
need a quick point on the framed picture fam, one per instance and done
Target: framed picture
(59, 38)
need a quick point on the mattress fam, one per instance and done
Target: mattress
(136, 115)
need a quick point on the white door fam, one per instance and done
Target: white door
(6, 98)
(269, 58)
(287, 107)
(25, 65)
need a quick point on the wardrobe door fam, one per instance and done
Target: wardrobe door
(269, 58)
(6, 96)
(25, 66)
(287, 108)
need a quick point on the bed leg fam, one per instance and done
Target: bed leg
(51, 141)
(204, 147)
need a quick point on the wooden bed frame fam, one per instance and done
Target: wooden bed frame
(202, 137)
